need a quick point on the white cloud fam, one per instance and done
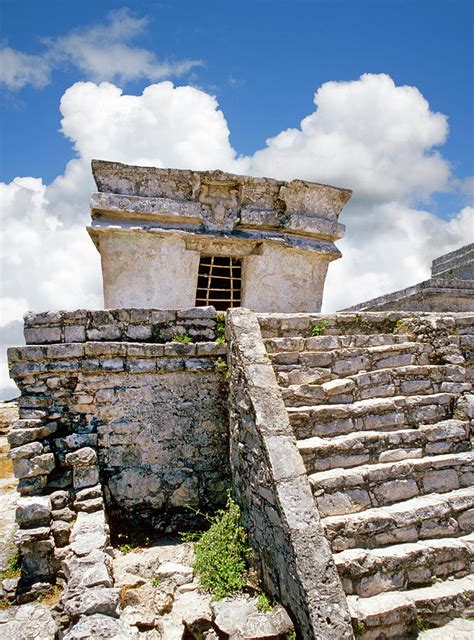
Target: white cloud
(466, 187)
(99, 52)
(389, 247)
(19, 69)
(369, 135)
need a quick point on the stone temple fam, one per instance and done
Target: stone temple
(346, 438)
(170, 238)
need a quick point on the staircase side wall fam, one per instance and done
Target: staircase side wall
(272, 488)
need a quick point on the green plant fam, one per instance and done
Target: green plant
(155, 581)
(222, 367)
(264, 604)
(182, 338)
(401, 326)
(359, 628)
(422, 624)
(125, 547)
(221, 552)
(220, 327)
(291, 635)
(4, 604)
(319, 329)
(13, 570)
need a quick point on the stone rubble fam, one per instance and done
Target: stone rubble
(160, 594)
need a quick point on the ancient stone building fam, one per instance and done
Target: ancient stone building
(450, 288)
(175, 239)
(346, 438)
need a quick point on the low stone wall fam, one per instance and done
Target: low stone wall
(140, 426)
(271, 485)
(123, 325)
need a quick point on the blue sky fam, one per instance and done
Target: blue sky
(262, 59)
(372, 95)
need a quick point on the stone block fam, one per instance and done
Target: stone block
(33, 511)
(74, 333)
(26, 451)
(64, 351)
(92, 601)
(35, 466)
(85, 476)
(42, 335)
(340, 386)
(24, 537)
(100, 627)
(32, 486)
(82, 457)
(112, 364)
(59, 499)
(197, 313)
(210, 349)
(163, 317)
(107, 332)
(139, 332)
(141, 365)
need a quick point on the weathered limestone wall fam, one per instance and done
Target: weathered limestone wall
(143, 270)
(277, 275)
(145, 422)
(269, 478)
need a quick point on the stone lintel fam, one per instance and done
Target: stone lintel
(240, 243)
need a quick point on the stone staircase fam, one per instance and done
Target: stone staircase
(382, 412)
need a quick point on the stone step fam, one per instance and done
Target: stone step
(343, 491)
(367, 572)
(383, 383)
(281, 325)
(445, 515)
(374, 414)
(328, 343)
(447, 436)
(401, 614)
(315, 367)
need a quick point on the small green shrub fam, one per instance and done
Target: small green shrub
(155, 581)
(222, 553)
(264, 604)
(319, 329)
(359, 628)
(222, 367)
(4, 604)
(125, 548)
(291, 635)
(182, 338)
(220, 327)
(13, 570)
